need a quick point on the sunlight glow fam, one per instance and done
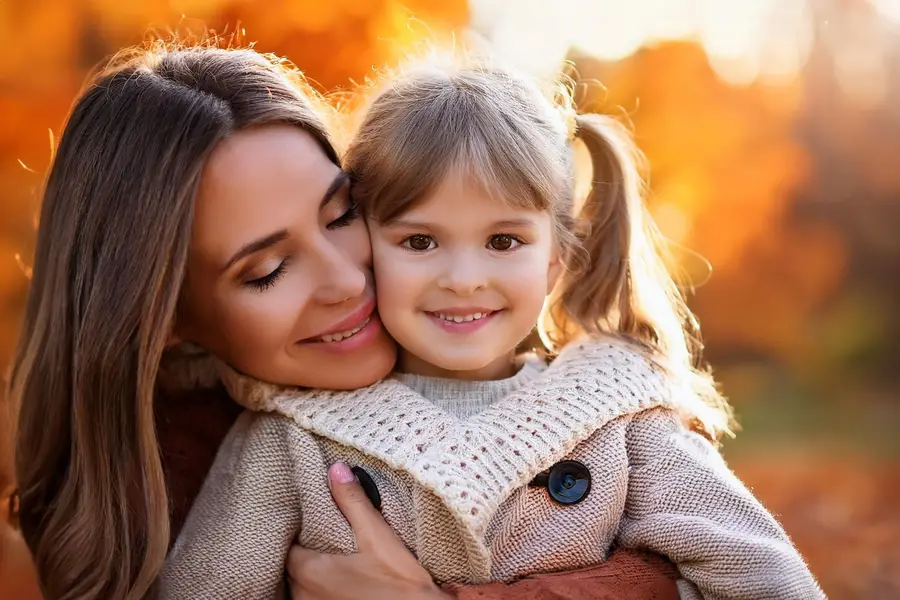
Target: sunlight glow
(746, 41)
(609, 29)
(889, 9)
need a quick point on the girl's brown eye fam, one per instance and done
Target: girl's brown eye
(502, 242)
(419, 242)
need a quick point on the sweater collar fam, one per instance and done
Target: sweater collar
(473, 465)
(465, 398)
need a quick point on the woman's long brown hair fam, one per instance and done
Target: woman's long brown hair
(110, 258)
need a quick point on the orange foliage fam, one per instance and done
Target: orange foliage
(842, 517)
(725, 169)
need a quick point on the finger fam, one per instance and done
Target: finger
(302, 564)
(371, 530)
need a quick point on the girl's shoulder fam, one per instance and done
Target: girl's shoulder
(616, 361)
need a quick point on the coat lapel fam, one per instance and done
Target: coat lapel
(474, 465)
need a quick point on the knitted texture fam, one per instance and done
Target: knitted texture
(456, 492)
(462, 398)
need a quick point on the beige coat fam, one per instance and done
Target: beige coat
(456, 491)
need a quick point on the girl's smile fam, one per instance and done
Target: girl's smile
(463, 320)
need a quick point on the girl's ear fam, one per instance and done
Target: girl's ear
(555, 268)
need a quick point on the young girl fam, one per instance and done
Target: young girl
(489, 464)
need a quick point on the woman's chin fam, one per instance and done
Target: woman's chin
(363, 369)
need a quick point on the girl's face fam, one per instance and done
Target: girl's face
(279, 283)
(462, 278)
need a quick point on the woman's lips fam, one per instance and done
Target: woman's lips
(350, 340)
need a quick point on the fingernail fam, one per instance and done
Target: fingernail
(341, 473)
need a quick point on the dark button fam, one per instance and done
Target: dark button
(368, 486)
(567, 482)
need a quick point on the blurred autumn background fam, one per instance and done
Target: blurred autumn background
(773, 133)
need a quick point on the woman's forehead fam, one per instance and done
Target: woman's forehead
(258, 181)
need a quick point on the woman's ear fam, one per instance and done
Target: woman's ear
(173, 340)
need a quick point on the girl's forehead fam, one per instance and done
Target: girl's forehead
(461, 199)
(466, 187)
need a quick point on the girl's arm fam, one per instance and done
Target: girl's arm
(236, 538)
(384, 569)
(684, 502)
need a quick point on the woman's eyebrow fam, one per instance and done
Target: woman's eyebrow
(339, 181)
(334, 187)
(256, 246)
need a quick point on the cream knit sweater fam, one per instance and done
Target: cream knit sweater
(454, 488)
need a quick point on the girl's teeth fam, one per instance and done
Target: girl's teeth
(462, 318)
(342, 335)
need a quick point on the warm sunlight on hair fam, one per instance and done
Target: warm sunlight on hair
(443, 112)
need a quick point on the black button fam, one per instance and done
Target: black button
(567, 482)
(368, 486)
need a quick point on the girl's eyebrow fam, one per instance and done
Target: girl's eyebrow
(405, 224)
(512, 224)
(499, 225)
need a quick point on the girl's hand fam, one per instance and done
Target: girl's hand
(382, 569)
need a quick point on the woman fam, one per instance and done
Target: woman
(195, 196)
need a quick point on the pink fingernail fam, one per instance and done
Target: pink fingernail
(341, 473)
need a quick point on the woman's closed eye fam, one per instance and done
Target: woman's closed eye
(261, 284)
(350, 215)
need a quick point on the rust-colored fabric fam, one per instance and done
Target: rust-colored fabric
(192, 424)
(626, 575)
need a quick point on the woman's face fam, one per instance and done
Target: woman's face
(279, 280)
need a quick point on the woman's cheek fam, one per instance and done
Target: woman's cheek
(354, 240)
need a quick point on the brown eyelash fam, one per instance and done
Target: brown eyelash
(265, 282)
(351, 214)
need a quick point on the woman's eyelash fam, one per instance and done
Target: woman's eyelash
(345, 219)
(265, 282)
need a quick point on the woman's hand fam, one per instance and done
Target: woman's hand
(382, 569)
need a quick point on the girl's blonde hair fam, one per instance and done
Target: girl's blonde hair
(515, 138)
